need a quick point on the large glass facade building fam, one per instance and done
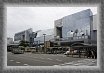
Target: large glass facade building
(76, 26)
(78, 22)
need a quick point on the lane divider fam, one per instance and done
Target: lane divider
(18, 62)
(11, 60)
(26, 64)
(49, 58)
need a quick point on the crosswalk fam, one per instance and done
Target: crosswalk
(84, 62)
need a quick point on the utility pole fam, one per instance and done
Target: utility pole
(44, 43)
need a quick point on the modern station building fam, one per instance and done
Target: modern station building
(81, 27)
(77, 27)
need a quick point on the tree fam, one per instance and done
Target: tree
(24, 43)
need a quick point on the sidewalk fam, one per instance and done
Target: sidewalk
(84, 62)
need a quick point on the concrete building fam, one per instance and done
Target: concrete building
(79, 26)
(23, 35)
(26, 35)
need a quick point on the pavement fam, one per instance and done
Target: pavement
(84, 62)
(30, 59)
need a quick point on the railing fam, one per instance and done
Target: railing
(70, 38)
(74, 38)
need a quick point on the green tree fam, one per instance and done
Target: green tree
(24, 43)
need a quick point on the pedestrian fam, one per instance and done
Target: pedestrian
(89, 54)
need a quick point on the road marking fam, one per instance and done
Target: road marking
(11, 60)
(25, 64)
(18, 62)
(56, 65)
(49, 58)
(58, 60)
(83, 62)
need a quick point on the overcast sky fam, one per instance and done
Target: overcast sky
(38, 18)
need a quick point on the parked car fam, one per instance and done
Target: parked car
(67, 53)
(71, 52)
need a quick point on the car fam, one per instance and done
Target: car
(67, 53)
(71, 52)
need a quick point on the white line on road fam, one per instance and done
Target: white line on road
(18, 62)
(49, 58)
(11, 60)
(26, 64)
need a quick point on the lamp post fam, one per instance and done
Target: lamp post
(44, 43)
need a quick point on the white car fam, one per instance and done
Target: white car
(67, 53)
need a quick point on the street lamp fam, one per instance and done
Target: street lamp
(44, 43)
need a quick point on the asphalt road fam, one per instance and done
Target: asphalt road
(30, 59)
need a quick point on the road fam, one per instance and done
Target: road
(30, 59)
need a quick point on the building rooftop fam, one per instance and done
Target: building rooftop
(30, 30)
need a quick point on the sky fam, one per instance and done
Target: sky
(37, 18)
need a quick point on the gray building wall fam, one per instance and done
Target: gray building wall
(23, 35)
(95, 22)
(94, 30)
(58, 25)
